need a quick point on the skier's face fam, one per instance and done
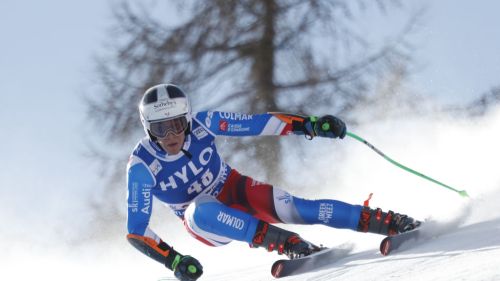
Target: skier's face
(172, 143)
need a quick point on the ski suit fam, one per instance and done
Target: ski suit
(216, 203)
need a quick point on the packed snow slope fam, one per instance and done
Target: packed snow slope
(470, 252)
(461, 151)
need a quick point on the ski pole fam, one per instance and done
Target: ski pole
(462, 193)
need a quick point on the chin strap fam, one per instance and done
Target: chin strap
(187, 153)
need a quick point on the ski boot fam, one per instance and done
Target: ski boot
(283, 241)
(389, 224)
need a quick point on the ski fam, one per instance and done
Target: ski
(392, 243)
(285, 267)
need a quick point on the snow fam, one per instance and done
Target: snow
(470, 252)
(461, 152)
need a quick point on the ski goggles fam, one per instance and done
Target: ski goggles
(175, 126)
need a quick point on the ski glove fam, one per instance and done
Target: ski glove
(186, 268)
(326, 126)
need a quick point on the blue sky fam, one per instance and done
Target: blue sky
(45, 64)
(460, 46)
(45, 53)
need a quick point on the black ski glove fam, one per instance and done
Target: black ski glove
(186, 268)
(326, 126)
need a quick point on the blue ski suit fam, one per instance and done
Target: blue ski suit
(216, 203)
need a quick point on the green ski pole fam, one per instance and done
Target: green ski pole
(462, 193)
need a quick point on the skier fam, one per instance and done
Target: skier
(178, 163)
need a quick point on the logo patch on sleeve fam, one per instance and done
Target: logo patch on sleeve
(200, 133)
(223, 126)
(155, 167)
(208, 119)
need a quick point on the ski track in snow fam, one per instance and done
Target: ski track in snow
(471, 252)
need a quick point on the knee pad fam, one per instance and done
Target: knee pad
(216, 222)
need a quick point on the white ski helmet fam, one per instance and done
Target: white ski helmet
(165, 108)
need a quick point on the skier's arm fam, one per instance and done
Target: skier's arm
(140, 181)
(274, 123)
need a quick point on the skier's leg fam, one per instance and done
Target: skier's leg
(251, 196)
(215, 224)
(273, 205)
(356, 217)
